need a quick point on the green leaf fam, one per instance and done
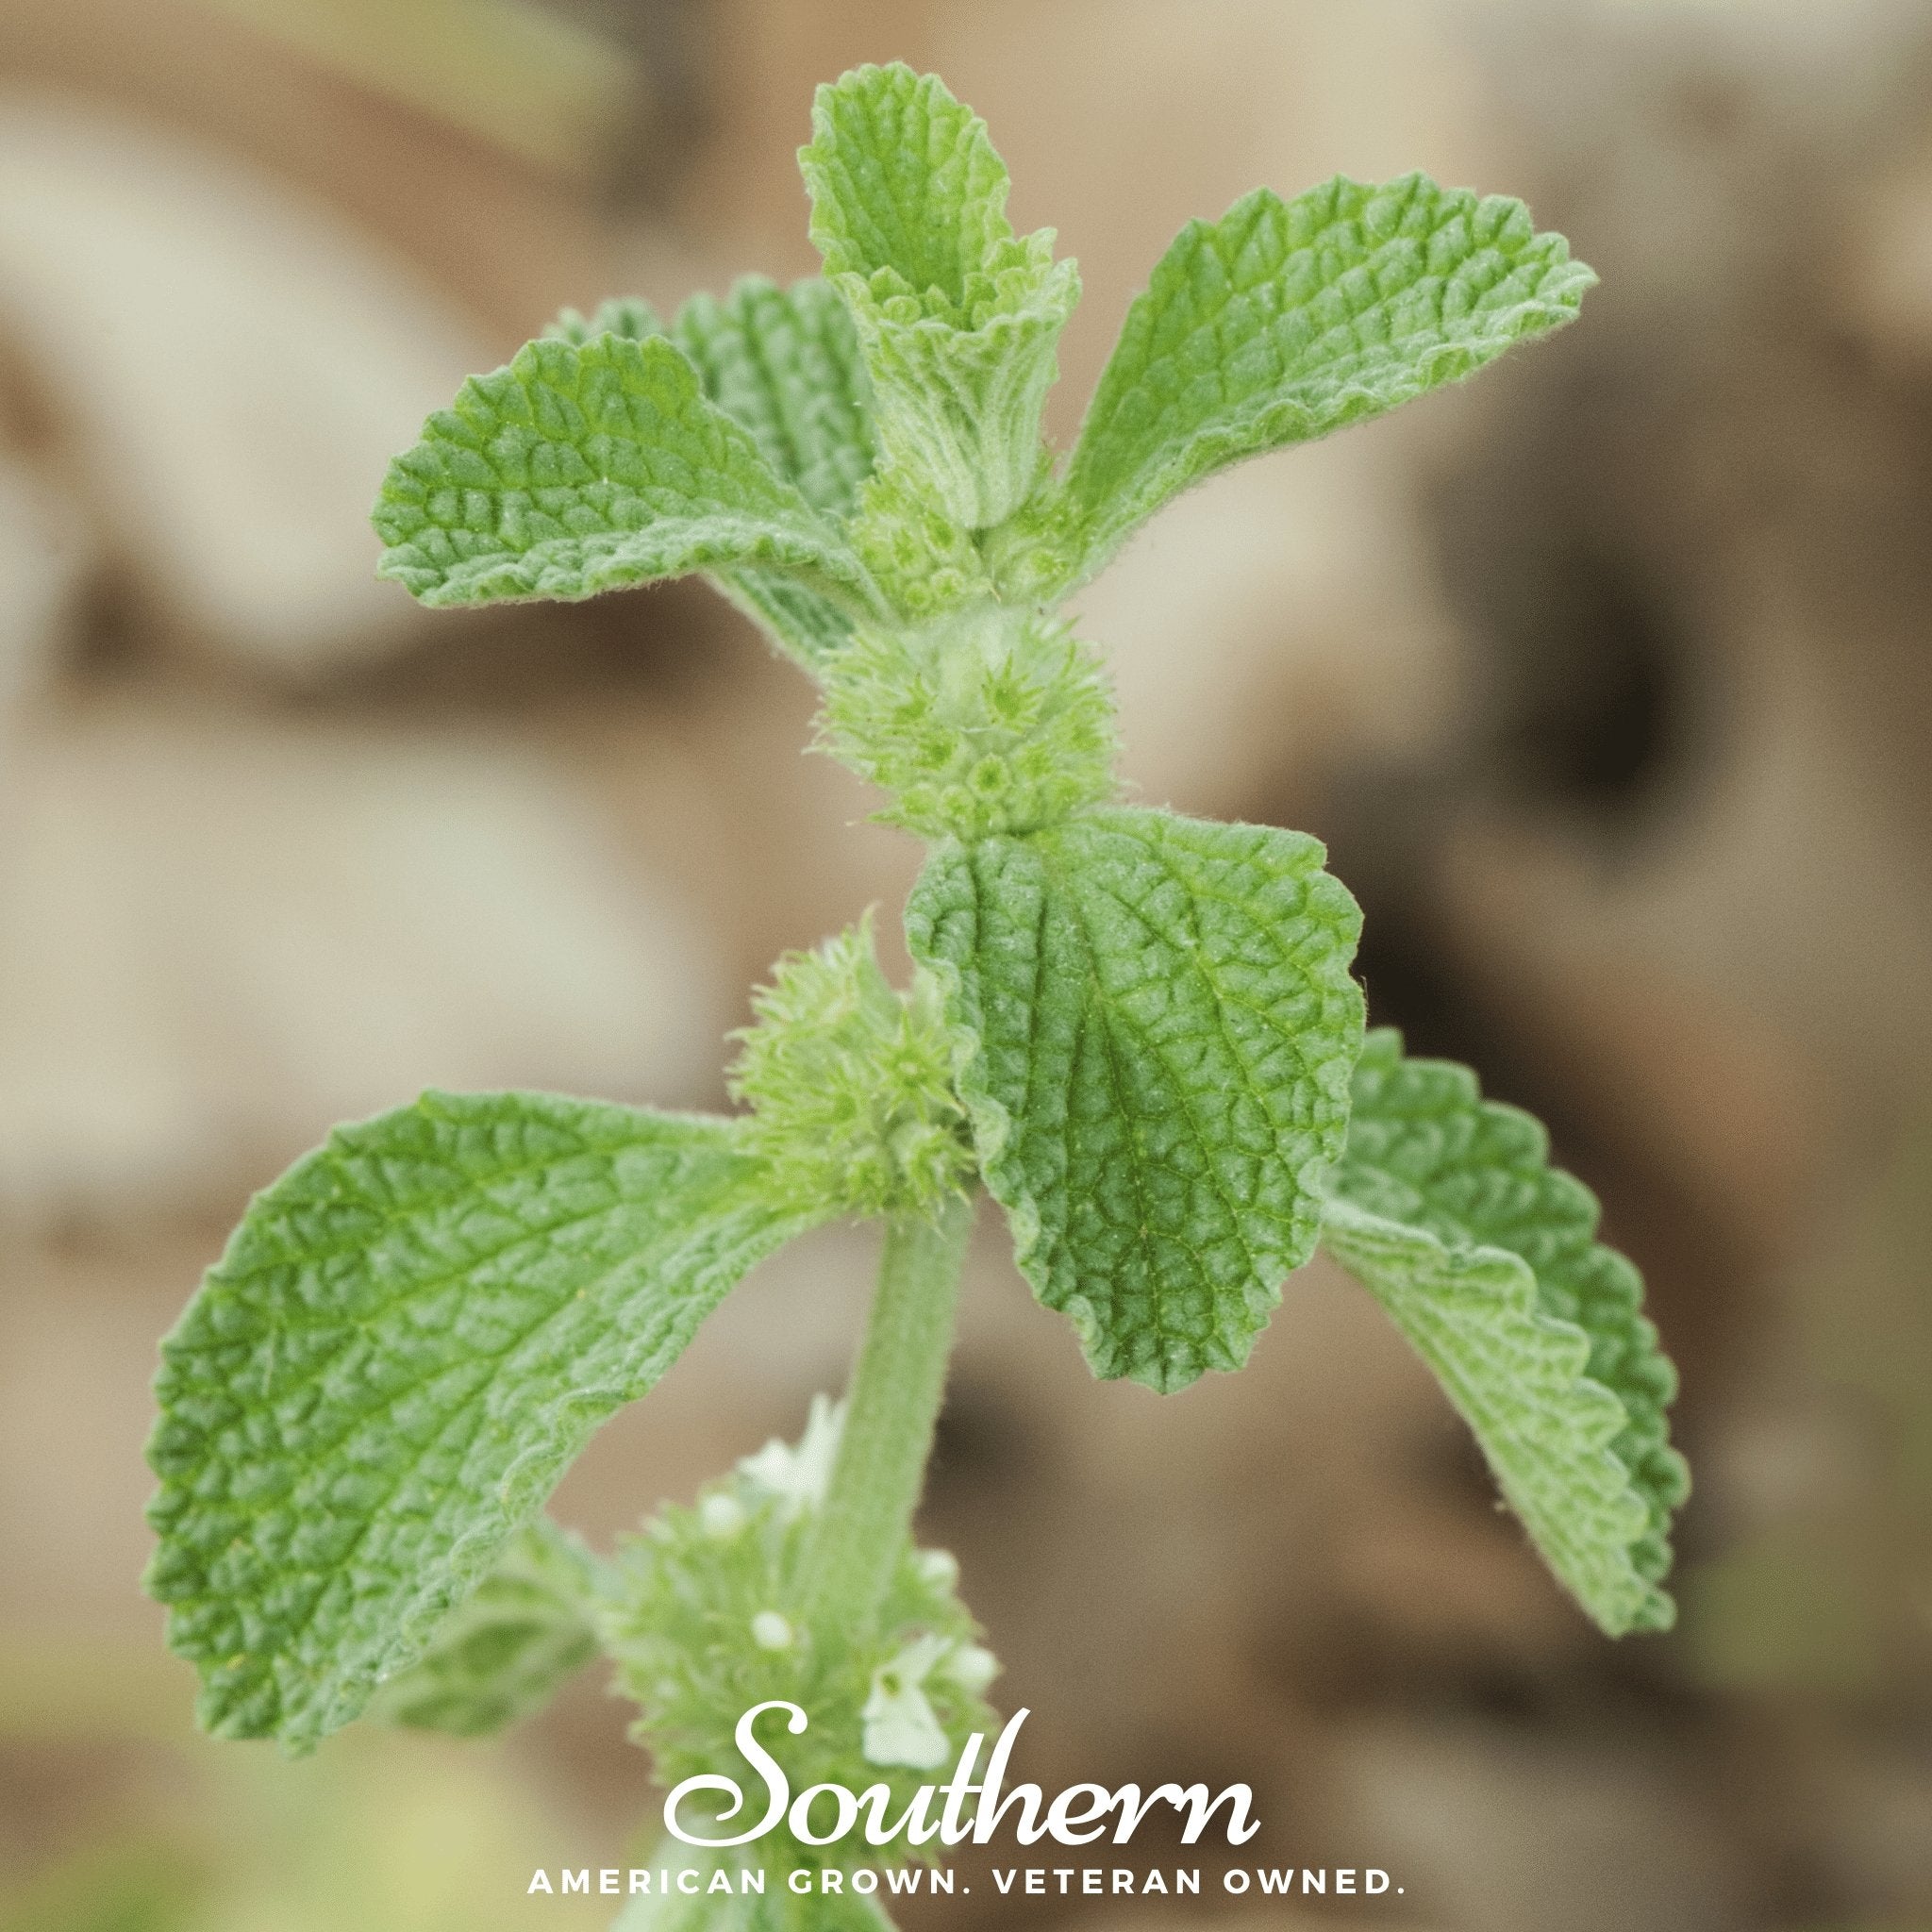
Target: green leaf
(585, 467)
(903, 179)
(803, 622)
(1487, 1257)
(410, 1336)
(506, 1650)
(785, 365)
(619, 315)
(1160, 1027)
(1285, 319)
(958, 318)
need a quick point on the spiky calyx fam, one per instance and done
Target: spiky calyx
(985, 721)
(850, 1084)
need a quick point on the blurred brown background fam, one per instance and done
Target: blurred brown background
(1606, 679)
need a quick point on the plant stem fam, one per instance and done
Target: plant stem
(892, 1406)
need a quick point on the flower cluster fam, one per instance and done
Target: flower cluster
(706, 1620)
(850, 1084)
(987, 721)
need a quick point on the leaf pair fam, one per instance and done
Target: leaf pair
(614, 453)
(1276, 324)
(416, 1329)
(1160, 1063)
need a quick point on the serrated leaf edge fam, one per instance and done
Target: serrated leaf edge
(992, 1128)
(817, 552)
(519, 1495)
(1635, 1600)
(1100, 536)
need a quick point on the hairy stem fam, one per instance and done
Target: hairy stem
(891, 1409)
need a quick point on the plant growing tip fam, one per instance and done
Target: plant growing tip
(1139, 1031)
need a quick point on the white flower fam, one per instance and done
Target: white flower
(771, 1631)
(720, 1517)
(939, 1569)
(799, 1477)
(972, 1668)
(900, 1723)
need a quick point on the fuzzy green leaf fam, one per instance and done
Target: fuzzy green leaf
(585, 467)
(1285, 319)
(619, 315)
(1487, 1257)
(506, 1650)
(1158, 1031)
(410, 1336)
(785, 363)
(958, 319)
(904, 180)
(803, 622)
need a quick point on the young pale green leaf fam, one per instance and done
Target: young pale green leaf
(618, 315)
(904, 181)
(958, 319)
(504, 1651)
(803, 622)
(585, 467)
(1486, 1257)
(1285, 319)
(409, 1338)
(1159, 1028)
(785, 363)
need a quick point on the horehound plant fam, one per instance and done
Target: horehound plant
(1138, 1032)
